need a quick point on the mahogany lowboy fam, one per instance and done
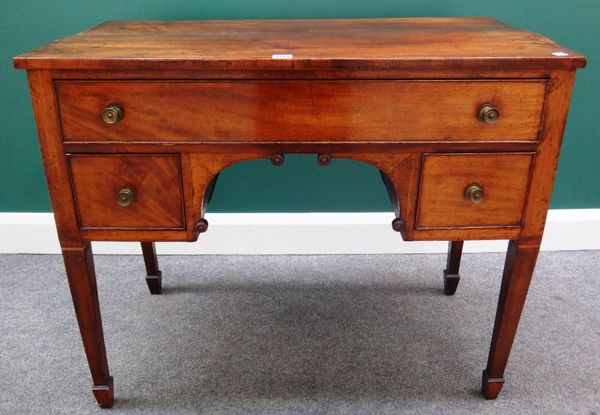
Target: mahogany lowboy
(463, 117)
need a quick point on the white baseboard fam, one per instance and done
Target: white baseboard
(298, 233)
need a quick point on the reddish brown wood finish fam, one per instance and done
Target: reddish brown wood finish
(409, 43)
(459, 73)
(155, 181)
(153, 274)
(546, 160)
(79, 264)
(301, 110)
(451, 275)
(503, 177)
(77, 254)
(518, 270)
(201, 96)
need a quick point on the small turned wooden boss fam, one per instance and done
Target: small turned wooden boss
(136, 120)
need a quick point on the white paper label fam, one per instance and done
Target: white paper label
(282, 56)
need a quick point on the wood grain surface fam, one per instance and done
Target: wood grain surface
(301, 110)
(399, 94)
(155, 180)
(442, 203)
(405, 43)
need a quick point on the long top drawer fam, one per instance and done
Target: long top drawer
(275, 111)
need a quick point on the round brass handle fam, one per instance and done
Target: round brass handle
(488, 114)
(112, 114)
(125, 196)
(474, 193)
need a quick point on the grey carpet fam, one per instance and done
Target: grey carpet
(300, 334)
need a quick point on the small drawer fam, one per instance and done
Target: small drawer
(292, 111)
(473, 190)
(127, 191)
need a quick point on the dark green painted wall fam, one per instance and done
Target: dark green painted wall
(300, 184)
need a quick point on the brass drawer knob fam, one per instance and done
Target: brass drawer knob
(474, 193)
(112, 114)
(488, 114)
(125, 196)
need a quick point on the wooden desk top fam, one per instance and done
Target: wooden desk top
(406, 43)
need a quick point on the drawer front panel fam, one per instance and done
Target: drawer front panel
(300, 110)
(469, 190)
(127, 191)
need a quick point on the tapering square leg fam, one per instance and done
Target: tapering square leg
(153, 274)
(451, 275)
(518, 270)
(79, 264)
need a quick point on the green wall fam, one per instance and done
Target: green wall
(300, 184)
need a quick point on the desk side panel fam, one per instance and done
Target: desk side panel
(45, 109)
